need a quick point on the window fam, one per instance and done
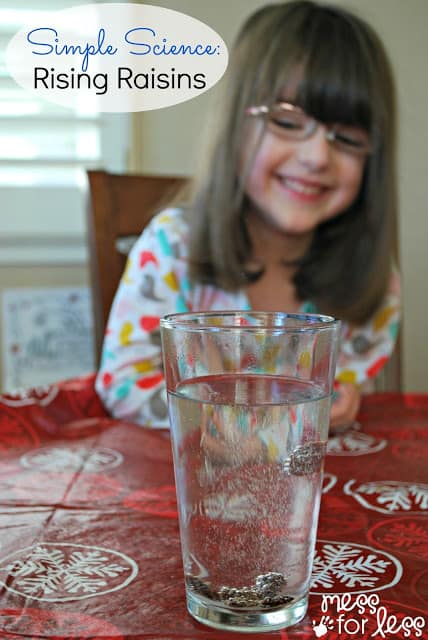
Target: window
(44, 152)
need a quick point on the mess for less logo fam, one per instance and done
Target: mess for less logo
(364, 616)
(117, 57)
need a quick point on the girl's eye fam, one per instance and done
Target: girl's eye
(348, 141)
(287, 122)
(355, 138)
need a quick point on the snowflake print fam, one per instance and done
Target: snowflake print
(74, 459)
(406, 535)
(58, 572)
(42, 395)
(390, 496)
(420, 495)
(352, 568)
(354, 443)
(328, 482)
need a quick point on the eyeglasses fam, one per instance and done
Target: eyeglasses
(291, 123)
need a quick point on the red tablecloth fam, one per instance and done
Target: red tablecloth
(89, 543)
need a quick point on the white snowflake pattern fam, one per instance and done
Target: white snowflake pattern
(329, 480)
(352, 567)
(392, 496)
(420, 495)
(59, 572)
(69, 459)
(354, 443)
(42, 396)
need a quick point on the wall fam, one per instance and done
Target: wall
(166, 142)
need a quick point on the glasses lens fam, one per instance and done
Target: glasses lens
(351, 139)
(289, 121)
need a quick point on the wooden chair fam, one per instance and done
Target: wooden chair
(390, 378)
(120, 207)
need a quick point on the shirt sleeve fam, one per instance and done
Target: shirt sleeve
(130, 381)
(365, 349)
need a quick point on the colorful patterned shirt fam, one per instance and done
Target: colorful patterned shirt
(155, 282)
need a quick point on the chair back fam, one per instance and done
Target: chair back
(120, 207)
(390, 377)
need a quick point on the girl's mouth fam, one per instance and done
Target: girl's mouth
(302, 189)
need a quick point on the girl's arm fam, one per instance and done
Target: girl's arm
(345, 406)
(130, 381)
(365, 349)
(364, 352)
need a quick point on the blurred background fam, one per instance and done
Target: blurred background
(46, 318)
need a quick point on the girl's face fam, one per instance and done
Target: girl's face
(296, 185)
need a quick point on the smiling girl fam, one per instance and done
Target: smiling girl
(292, 209)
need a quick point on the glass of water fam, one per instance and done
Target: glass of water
(249, 403)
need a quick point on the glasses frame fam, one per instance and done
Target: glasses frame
(312, 124)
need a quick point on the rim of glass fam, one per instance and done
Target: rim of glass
(277, 321)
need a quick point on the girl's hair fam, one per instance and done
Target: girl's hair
(344, 76)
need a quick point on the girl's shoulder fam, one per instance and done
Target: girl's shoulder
(166, 234)
(171, 221)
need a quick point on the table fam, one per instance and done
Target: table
(89, 543)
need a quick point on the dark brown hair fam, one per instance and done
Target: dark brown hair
(345, 77)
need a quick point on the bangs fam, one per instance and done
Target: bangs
(332, 72)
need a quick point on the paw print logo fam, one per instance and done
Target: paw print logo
(325, 625)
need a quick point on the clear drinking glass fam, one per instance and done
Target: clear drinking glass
(249, 403)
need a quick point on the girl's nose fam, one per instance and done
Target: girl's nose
(315, 151)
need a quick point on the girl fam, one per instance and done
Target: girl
(293, 210)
